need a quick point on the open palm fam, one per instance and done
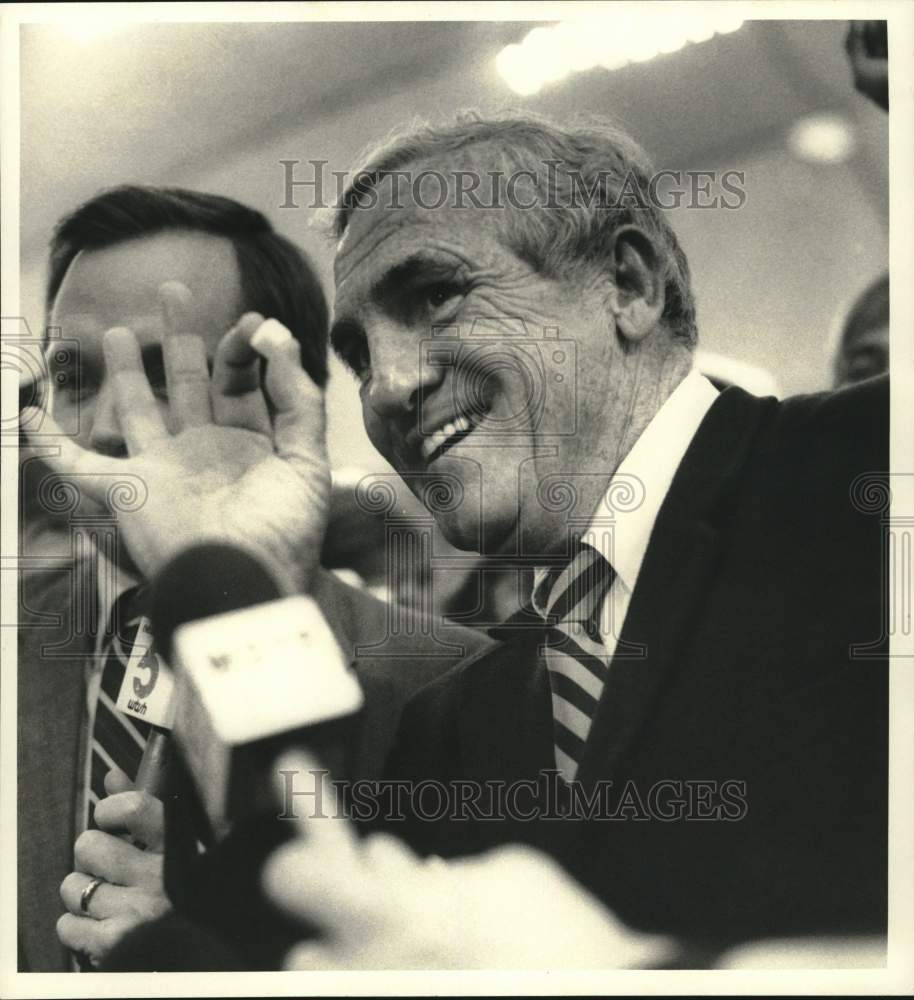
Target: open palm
(227, 483)
(240, 462)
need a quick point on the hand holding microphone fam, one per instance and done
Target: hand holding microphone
(116, 885)
(256, 670)
(118, 880)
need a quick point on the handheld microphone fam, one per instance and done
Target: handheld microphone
(256, 671)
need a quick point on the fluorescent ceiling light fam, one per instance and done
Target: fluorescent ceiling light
(822, 139)
(549, 54)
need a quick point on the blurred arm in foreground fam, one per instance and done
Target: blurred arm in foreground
(377, 905)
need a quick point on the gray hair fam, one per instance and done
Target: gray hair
(595, 160)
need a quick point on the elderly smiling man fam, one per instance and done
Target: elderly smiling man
(681, 684)
(685, 660)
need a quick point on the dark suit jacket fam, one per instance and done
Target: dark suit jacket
(53, 648)
(760, 575)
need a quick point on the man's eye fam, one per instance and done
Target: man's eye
(442, 295)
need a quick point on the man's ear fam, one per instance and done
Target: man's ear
(637, 297)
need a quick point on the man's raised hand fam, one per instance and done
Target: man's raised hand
(240, 459)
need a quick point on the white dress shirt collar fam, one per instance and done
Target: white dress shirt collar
(622, 524)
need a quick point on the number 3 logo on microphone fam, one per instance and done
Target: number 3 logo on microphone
(147, 688)
(149, 662)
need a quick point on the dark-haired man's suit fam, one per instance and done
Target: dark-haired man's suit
(51, 707)
(763, 572)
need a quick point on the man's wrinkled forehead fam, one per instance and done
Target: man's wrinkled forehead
(386, 211)
(448, 198)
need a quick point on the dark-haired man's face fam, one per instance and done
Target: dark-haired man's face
(118, 286)
(477, 370)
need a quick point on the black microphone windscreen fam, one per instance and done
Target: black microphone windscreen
(204, 580)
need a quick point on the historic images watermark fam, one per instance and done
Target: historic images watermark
(546, 797)
(309, 184)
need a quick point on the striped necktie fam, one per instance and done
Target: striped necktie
(571, 600)
(118, 740)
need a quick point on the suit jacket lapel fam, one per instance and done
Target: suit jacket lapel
(50, 711)
(505, 716)
(658, 618)
(676, 568)
(333, 599)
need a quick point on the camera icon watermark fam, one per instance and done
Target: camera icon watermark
(42, 364)
(502, 382)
